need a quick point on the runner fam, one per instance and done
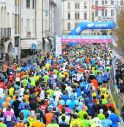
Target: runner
(71, 90)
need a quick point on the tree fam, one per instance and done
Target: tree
(120, 31)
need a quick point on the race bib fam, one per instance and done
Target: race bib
(8, 118)
(17, 79)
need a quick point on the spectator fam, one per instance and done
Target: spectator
(114, 118)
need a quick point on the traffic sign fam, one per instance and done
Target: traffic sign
(33, 46)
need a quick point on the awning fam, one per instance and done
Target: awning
(27, 44)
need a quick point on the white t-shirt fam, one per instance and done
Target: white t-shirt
(57, 94)
(55, 76)
(42, 95)
(17, 79)
(20, 95)
(79, 76)
(1, 92)
(69, 89)
(21, 90)
(4, 110)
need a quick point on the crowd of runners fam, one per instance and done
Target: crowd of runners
(71, 90)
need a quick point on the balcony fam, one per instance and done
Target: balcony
(5, 33)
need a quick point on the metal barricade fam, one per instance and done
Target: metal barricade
(118, 100)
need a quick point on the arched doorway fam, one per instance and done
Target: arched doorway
(43, 44)
(3, 48)
(9, 50)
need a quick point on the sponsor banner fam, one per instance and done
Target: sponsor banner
(87, 39)
(58, 46)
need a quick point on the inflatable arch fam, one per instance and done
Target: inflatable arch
(92, 25)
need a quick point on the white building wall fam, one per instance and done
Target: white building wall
(72, 10)
(39, 19)
(58, 17)
(7, 20)
(46, 24)
(27, 14)
(108, 6)
(52, 17)
(89, 10)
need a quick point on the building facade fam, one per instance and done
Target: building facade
(58, 17)
(28, 27)
(48, 20)
(76, 11)
(24, 23)
(37, 21)
(105, 10)
(9, 29)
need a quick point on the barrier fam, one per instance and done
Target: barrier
(116, 98)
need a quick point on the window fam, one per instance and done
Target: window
(28, 25)
(16, 3)
(112, 2)
(105, 12)
(77, 15)
(16, 41)
(22, 3)
(96, 12)
(16, 24)
(76, 24)
(33, 3)
(96, 2)
(77, 5)
(102, 2)
(13, 21)
(28, 3)
(85, 15)
(121, 2)
(69, 26)
(112, 12)
(33, 26)
(69, 15)
(8, 23)
(69, 6)
(105, 1)
(102, 12)
(22, 25)
(85, 5)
